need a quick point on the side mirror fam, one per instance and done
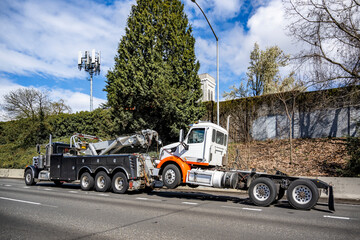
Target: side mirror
(38, 148)
(185, 145)
(181, 135)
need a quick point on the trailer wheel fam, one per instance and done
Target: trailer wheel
(120, 183)
(86, 181)
(262, 191)
(302, 194)
(171, 176)
(29, 178)
(102, 182)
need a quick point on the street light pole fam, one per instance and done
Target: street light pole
(217, 63)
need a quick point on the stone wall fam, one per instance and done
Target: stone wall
(317, 114)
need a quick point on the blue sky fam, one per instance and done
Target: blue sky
(40, 40)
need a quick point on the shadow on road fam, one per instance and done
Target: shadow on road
(194, 195)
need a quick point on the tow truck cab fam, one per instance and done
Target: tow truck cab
(204, 145)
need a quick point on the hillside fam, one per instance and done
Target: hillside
(311, 157)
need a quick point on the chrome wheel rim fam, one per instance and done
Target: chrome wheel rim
(119, 183)
(28, 177)
(101, 182)
(302, 194)
(170, 176)
(85, 181)
(261, 192)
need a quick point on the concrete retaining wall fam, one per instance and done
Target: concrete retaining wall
(344, 188)
(11, 173)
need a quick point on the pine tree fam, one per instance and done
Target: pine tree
(155, 83)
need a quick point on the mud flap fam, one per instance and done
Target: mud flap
(331, 203)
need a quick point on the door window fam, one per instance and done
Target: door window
(196, 135)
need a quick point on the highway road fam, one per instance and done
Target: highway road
(45, 211)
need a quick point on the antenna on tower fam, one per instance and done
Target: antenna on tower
(91, 64)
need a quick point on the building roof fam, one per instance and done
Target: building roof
(206, 76)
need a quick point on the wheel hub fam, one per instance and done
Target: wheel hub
(119, 183)
(101, 182)
(85, 181)
(261, 192)
(302, 194)
(170, 176)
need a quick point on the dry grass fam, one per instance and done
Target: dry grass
(311, 157)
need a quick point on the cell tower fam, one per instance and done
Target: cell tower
(91, 64)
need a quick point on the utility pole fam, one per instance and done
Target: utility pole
(91, 64)
(217, 64)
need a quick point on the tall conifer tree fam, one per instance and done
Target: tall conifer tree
(154, 83)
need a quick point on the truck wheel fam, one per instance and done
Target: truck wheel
(171, 176)
(302, 194)
(120, 183)
(29, 178)
(262, 191)
(86, 181)
(102, 182)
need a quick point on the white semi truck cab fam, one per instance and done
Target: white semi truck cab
(204, 145)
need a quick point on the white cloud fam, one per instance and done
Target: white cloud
(266, 27)
(44, 37)
(76, 100)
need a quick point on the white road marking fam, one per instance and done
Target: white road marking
(148, 199)
(141, 198)
(26, 187)
(23, 201)
(240, 208)
(103, 194)
(252, 209)
(47, 189)
(73, 192)
(336, 217)
(190, 203)
(7, 185)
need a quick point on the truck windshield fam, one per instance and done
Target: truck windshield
(196, 135)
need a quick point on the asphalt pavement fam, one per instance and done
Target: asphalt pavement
(45, 211)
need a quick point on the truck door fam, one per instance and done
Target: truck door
(196, 142)
(218, 148)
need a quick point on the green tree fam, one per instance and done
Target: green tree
(262, 73)
(264, 68)
(154, 83)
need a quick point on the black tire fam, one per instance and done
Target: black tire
(29, 178)
(102, 182)
(58, 183)
(192, 185)
(120, 183)
(87, 181)
(171, 176)
(262, 192)
(302, 194)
